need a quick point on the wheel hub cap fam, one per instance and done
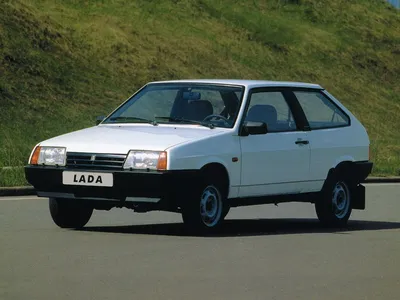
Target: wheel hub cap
(341, 200)
(210, 206)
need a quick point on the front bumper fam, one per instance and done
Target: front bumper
(128, 185)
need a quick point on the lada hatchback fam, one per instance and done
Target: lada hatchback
(200, 147)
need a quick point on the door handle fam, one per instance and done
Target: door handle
(302, 142)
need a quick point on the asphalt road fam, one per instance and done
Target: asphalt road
(263, 252)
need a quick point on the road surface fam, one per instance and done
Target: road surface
(263, 252)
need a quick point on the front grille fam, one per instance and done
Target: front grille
(97, 161)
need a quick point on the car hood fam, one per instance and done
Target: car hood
(119, 139)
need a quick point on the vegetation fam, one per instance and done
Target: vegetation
(62, 63)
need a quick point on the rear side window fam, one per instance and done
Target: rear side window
(320, 111)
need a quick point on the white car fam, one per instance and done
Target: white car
(199, 147)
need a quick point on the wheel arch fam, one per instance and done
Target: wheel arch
(348, 169)
(343, 167)
(343, 160)
(219, 170)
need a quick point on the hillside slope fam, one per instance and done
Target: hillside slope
(64, 62)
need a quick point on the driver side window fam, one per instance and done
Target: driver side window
(272, 109)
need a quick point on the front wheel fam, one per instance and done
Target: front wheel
(68, 213)
(206, 209)
(334, 209)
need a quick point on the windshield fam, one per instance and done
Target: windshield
(210, 105)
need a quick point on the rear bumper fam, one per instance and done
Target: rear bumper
(360, 173)
(362, 170)
(128, 186)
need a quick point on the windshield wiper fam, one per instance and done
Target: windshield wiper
(179, 119)
(153, 122)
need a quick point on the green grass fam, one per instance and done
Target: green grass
(64, 62)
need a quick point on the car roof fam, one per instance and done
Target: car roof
(246, 83)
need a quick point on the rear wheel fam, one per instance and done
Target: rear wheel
(206, 208)
(68, 213)
(334, 209)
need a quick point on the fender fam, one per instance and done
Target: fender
(343, 159)
(234, 181)
(209, 160)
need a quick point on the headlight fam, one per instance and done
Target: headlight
(142, 160)
(49, 156)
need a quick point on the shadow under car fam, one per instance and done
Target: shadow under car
(249, 227)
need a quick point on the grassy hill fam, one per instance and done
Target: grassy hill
(64, 62)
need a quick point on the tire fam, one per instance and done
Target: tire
(68, 213)
(335, 207)
(204, 211)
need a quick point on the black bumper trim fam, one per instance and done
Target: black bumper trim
(361, 170)
(72, 196)
(126, 183)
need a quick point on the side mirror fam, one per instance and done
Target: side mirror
(99, 119)
(250, 127)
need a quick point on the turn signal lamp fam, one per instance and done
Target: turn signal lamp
(35, 156)
(162, 162)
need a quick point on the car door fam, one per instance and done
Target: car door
(329, 135)
(276, 162)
